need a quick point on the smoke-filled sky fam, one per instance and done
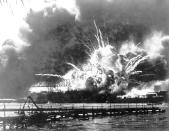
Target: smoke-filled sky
(41, 36)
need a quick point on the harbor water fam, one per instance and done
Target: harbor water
(140, 122)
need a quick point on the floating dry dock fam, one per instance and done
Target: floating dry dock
(34, 116)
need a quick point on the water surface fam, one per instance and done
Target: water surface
(141, 122)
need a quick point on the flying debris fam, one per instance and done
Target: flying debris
(113, 70)
(50, 75)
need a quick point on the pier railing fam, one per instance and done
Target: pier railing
(104, 106)
(52, 113)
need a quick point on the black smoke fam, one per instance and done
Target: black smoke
(16, 74)
(58, 37)
(150, 70)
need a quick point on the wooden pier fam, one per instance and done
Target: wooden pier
(34, 116)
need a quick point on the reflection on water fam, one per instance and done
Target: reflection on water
(146, 122)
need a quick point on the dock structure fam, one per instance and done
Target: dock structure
(32, 116)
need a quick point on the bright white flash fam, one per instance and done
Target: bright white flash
(105, 58)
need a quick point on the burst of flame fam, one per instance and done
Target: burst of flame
(104, 59)
(138, 93)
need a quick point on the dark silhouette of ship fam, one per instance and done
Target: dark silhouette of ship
(84, 96)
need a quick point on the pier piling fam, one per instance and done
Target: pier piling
(83, 112)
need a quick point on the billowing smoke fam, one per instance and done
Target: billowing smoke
(118, 70)
(15, 73)
(60, 40)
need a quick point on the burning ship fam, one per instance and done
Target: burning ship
(121, 72)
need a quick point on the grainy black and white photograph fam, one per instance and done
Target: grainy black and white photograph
(84, 65)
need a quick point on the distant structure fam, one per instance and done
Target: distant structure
(151, 97)
(50, 84)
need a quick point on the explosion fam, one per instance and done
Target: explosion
(45, 35)
(131, 69)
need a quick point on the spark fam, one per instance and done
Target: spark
(74, 66)
(106, 58)
(50, 75)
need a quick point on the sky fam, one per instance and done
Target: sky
(29, 33)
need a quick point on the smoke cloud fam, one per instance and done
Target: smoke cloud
(57, 35)
(153, 13)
